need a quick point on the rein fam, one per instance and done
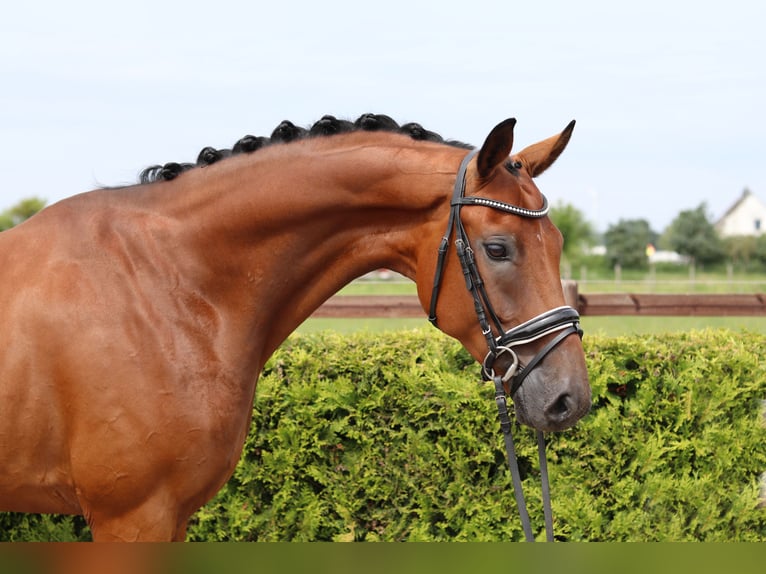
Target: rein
(562, 320)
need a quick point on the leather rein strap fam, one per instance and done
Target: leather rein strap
(563, 320)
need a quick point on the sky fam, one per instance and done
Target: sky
(668, 95)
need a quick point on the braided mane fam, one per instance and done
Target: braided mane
(287, 132)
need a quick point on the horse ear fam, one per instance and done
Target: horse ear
(540, 156)
(496, 148)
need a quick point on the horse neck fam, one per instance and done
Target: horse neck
(282, 230)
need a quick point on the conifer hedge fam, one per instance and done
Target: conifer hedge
(392, 437)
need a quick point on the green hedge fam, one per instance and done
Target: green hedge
(392, 437)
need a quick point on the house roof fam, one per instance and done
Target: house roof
(745, 194)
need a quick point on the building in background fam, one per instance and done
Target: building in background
(746, 217)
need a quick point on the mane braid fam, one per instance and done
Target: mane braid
(287, 132)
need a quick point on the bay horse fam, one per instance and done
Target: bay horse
(137, 319)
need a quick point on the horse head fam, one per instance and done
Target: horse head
(497, 288)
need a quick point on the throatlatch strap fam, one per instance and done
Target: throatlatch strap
(454, 216)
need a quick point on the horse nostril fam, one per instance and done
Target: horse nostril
(560, 409)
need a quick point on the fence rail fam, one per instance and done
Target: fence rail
(647, 304)
(363, 306)
(591, 304)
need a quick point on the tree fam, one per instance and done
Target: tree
(759, 253)
(626, 242)
(578, 233)
(692, 233)
(24, 209)
(740, 249)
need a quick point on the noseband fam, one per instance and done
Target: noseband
(563, 320)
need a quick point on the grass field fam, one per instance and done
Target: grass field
(610, 326)
(669, 280)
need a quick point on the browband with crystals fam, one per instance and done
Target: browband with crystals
(507, 207)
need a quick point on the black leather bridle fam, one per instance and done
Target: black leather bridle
(563, 321)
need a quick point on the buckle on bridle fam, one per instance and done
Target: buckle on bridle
(488, 369)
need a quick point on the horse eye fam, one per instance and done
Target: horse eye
(496, 250)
